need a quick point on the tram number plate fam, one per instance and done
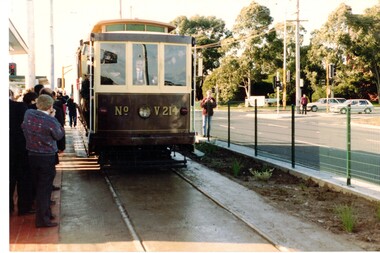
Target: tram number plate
(158, 110)
(166, 110)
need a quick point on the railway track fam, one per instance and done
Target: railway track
(120, 188)
(189, 209)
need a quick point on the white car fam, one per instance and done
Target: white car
(322, 103)
(357, 105)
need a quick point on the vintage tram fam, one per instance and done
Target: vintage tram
(136, 92)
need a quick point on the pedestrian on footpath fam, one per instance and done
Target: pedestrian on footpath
(42, 131)
(208, 104)
(304, 102)
(72, 106)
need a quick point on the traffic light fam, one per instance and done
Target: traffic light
(60, 82)
(12, 69)
(276, 83)
(331, 71)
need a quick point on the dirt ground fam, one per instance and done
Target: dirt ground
(304, 199)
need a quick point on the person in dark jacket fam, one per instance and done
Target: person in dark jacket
(20, 176)
(42, 130)
(72, 106)
(208, 104)
(30, 99)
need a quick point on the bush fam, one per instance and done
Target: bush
(264, 175)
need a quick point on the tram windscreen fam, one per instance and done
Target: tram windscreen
(146, 64)
(175, 65)
(112, 64)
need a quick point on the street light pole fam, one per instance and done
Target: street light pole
(63, 75)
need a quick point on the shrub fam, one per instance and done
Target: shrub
(264, 175)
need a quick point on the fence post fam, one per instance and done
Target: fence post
(229, 122)
(348, 145)
(255, 127)
(293, 139)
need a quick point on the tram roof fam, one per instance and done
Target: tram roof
(98, 27)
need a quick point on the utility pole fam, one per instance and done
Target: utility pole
(298, 92)
(31, 78)
(51, 46)
(284, 69)
(327, 84)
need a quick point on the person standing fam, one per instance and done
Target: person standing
(208, 104)
(304, 102)
(20, 176)
(42, 131)
(72, 106)
(59, 115)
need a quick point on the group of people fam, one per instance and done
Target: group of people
(36, 139)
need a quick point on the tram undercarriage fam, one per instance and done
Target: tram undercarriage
(140, 157)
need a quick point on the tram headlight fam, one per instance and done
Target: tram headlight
(144, 112)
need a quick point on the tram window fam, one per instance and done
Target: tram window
(135, 27)
(153, 28)
(117, 27)
(112, 64)
(145, 64)
(175, 65)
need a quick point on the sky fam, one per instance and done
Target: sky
(73, 20)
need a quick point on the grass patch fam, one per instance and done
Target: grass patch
(206, 148)
(347, 217)
(378, 212)
(236, 168)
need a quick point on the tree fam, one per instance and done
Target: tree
(225, 78)
(326, 47)
(208, 33)
(254, 49)
(363, 43)
(351, 43)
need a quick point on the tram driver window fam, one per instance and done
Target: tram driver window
(175, 65)
(112, 64)
(145, 64)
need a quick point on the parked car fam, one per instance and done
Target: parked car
(322, 103)
(357, 105)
